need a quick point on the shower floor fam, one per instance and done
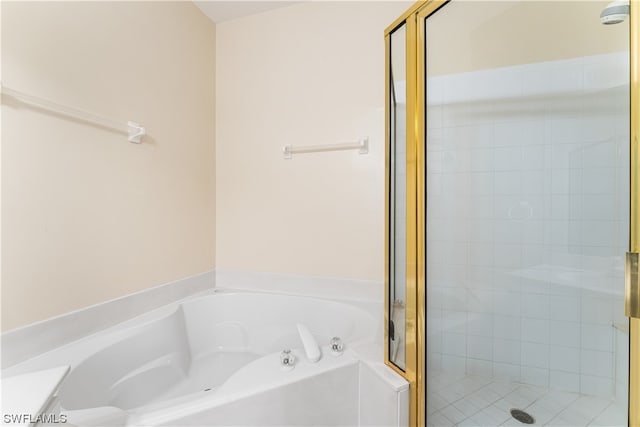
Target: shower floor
(475, 402)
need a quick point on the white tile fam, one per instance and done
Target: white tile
(567, 78)
(507, 183)
(534, 376)
(512, 422)
(454, 344)
(434, 117)
(600, 155)
(479, 348)
(506, 207)
(524, 396)
(564, 381)
(506, 303)
(452, 393)
(507, 256)
(613, 416)
(598, 233)
(454, 365)
(505, 371)
(506, 351)
(505, 281)
(507, 158)
(585, 409)
(479, 301)
(535, 355)
(599, 181)
(532, 257)
(598, 363)
(599, 207)
(564, 333)
(539, 285)
(561, 399)
(435, 402)
(566, 156)
(480, 324)
(488, 417)
(565, 359)
(535, 305)
(484, 397)
(452, 414)
(481, 160)
(466, 407)
(606, 74)
(541, 413)
(435, 90)
(434, 361)
(470, 422)
(452, 300)
(479, 367)
(480, 277)
(501, 388)
(523, 133)
(596, 386)
(565, 308)
(535, 330)
(481, 254)
(532, 181)
(439, 420)
(483, 208)
(481, 183)
(507, 232)
(597, 310)
(566, 130)
(560, 207)
(560, 181)
(503, 83)
(533, 157)
(507, 327)
(562, 420)
(597, 337)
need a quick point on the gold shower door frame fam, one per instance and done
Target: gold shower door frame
(415, 330)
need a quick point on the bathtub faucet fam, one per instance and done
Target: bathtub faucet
(311, 347)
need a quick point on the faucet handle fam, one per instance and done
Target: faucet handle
(337, 346)
(287, 359)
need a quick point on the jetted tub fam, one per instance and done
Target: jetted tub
(193, 363)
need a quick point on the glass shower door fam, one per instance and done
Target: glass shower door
(527, 213)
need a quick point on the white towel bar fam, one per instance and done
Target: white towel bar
(361, 145)
(134, 131)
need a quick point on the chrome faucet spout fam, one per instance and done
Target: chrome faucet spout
(311, 347)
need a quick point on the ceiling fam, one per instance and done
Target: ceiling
(219, 11)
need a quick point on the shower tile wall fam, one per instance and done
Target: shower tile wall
(527, 222)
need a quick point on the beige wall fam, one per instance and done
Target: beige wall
(476, 35)
(87, 216)
(311, 73)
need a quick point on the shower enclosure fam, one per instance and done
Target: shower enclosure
(511, 203)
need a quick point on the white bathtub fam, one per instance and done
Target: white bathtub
(214, 360)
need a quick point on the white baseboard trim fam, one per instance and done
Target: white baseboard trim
(31, 340)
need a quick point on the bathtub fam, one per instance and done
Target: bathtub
(215, 360)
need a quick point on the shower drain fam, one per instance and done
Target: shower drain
(522, 416)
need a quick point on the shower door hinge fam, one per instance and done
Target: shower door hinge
(632, 285)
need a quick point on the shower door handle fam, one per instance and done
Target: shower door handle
(632, 285)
